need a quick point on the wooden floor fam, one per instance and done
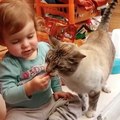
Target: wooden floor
(115, 18)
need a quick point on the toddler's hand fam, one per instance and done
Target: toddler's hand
(64, 95)
(39, 82)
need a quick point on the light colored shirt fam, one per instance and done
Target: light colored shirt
(14, 72)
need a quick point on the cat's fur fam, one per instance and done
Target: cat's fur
(85, 69)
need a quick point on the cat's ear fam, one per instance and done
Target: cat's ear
(77, 56)
(54, 42)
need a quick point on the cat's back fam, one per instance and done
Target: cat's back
(99, 43)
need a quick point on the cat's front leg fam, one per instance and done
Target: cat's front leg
(93, 100)
(85, 101)
(106, 89)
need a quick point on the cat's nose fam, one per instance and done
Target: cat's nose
(49, 73)
(48, 70)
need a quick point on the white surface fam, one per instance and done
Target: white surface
(109, 103)
(116, 41)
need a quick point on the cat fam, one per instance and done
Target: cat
(85, 69)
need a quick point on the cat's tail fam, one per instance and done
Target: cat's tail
(107, 13)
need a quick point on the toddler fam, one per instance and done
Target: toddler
(29, 93)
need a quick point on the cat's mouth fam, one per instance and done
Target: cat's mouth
(52, 74)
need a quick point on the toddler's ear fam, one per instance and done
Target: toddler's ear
(2, 43)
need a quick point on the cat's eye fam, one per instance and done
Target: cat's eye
(60, 68)
(71, 61)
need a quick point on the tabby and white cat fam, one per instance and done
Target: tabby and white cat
(85, 69)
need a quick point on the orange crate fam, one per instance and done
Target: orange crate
(71, 11)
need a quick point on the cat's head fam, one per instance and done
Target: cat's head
(63, 57)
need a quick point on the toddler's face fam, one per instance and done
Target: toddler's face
(23, 43)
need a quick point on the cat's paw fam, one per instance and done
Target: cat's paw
(90, 113)
(85, 102)
(106, 89)
(85, 107)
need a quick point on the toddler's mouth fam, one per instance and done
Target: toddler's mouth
(28, 52)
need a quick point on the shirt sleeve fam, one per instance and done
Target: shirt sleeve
(9, 79)
(56, 84)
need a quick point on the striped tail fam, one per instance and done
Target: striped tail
(107, 13)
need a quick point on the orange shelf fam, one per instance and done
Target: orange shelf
(71, 11)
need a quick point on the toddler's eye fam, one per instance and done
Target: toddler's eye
(30, 36)
(15, 41)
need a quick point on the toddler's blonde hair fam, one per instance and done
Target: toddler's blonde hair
(14, 15)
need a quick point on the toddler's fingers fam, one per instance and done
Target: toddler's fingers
(46, 78)
(43, 75)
